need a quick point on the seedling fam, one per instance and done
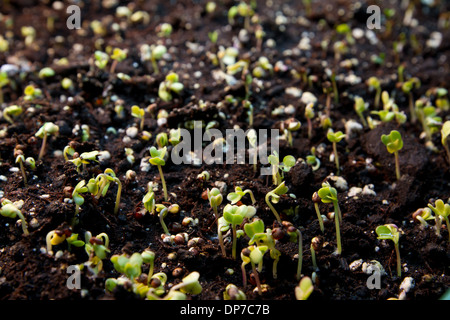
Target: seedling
(174, 136)
(129, 152)
(442, 210)
(394, 143)
(360, 107)
(84, 158)
(162, 211)
(108, 177)
(247, 105)
(407, 88)
(335, 138)
(391, 232)
(153, 53)
(422, 215)
(117, 55)
(274, 196)
(78, 199)
(309, 115)
(49, 128)
(96, 249)
(374, 84)
(235, 215)
(304, 289)
(312, 160)
(316, 201)
(252, 140)
(149, 201)
(140, 114)
(296, 236)
(11, 112)
(290, 126)
(238, 193)
(222, 226)
(445, 132)
(171, 84)
(390, 110)
(316, 245)
(56, 237)
(328, 194)
(162, 140)
(215, 199)
(31, 93)
(20, 158)
(12, 210)
(157, 159)
(101, 59)
(255, 231)
(233, 293)
(285, 166)
(46, 73)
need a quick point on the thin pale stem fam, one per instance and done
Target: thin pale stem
(163, 224)
(277, 216)
(22, 169)
(300, 254)
(319, 217)
(222, 246)
(119, 192)
(166, 197)
(24, 224)
(338, 231)
(274, 268)
(397, 166)
(244, 275)
(258, 282)
(399, 263)
(336, 157)
(233, 254)
(44, 143)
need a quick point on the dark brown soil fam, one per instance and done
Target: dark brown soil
(27, 273)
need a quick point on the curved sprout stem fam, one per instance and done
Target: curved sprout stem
(163, 181)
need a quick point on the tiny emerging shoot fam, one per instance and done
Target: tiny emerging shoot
(328, 194)
(335, 138)
(394, 143)
(157, 159)
(374, 84)
(316, 201)
(285, 166)
(296, 236)
(162, 211)
(49, 128)
(391, 232)
(274, 196)
(171, 84)
(215, 199)
(442, 210)
(233, 293)
(238, 193)
(312, 160)
(12, 210)
(360, 106)
(235, 215)
(11, 112)
(138, 113)
(304, 289)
